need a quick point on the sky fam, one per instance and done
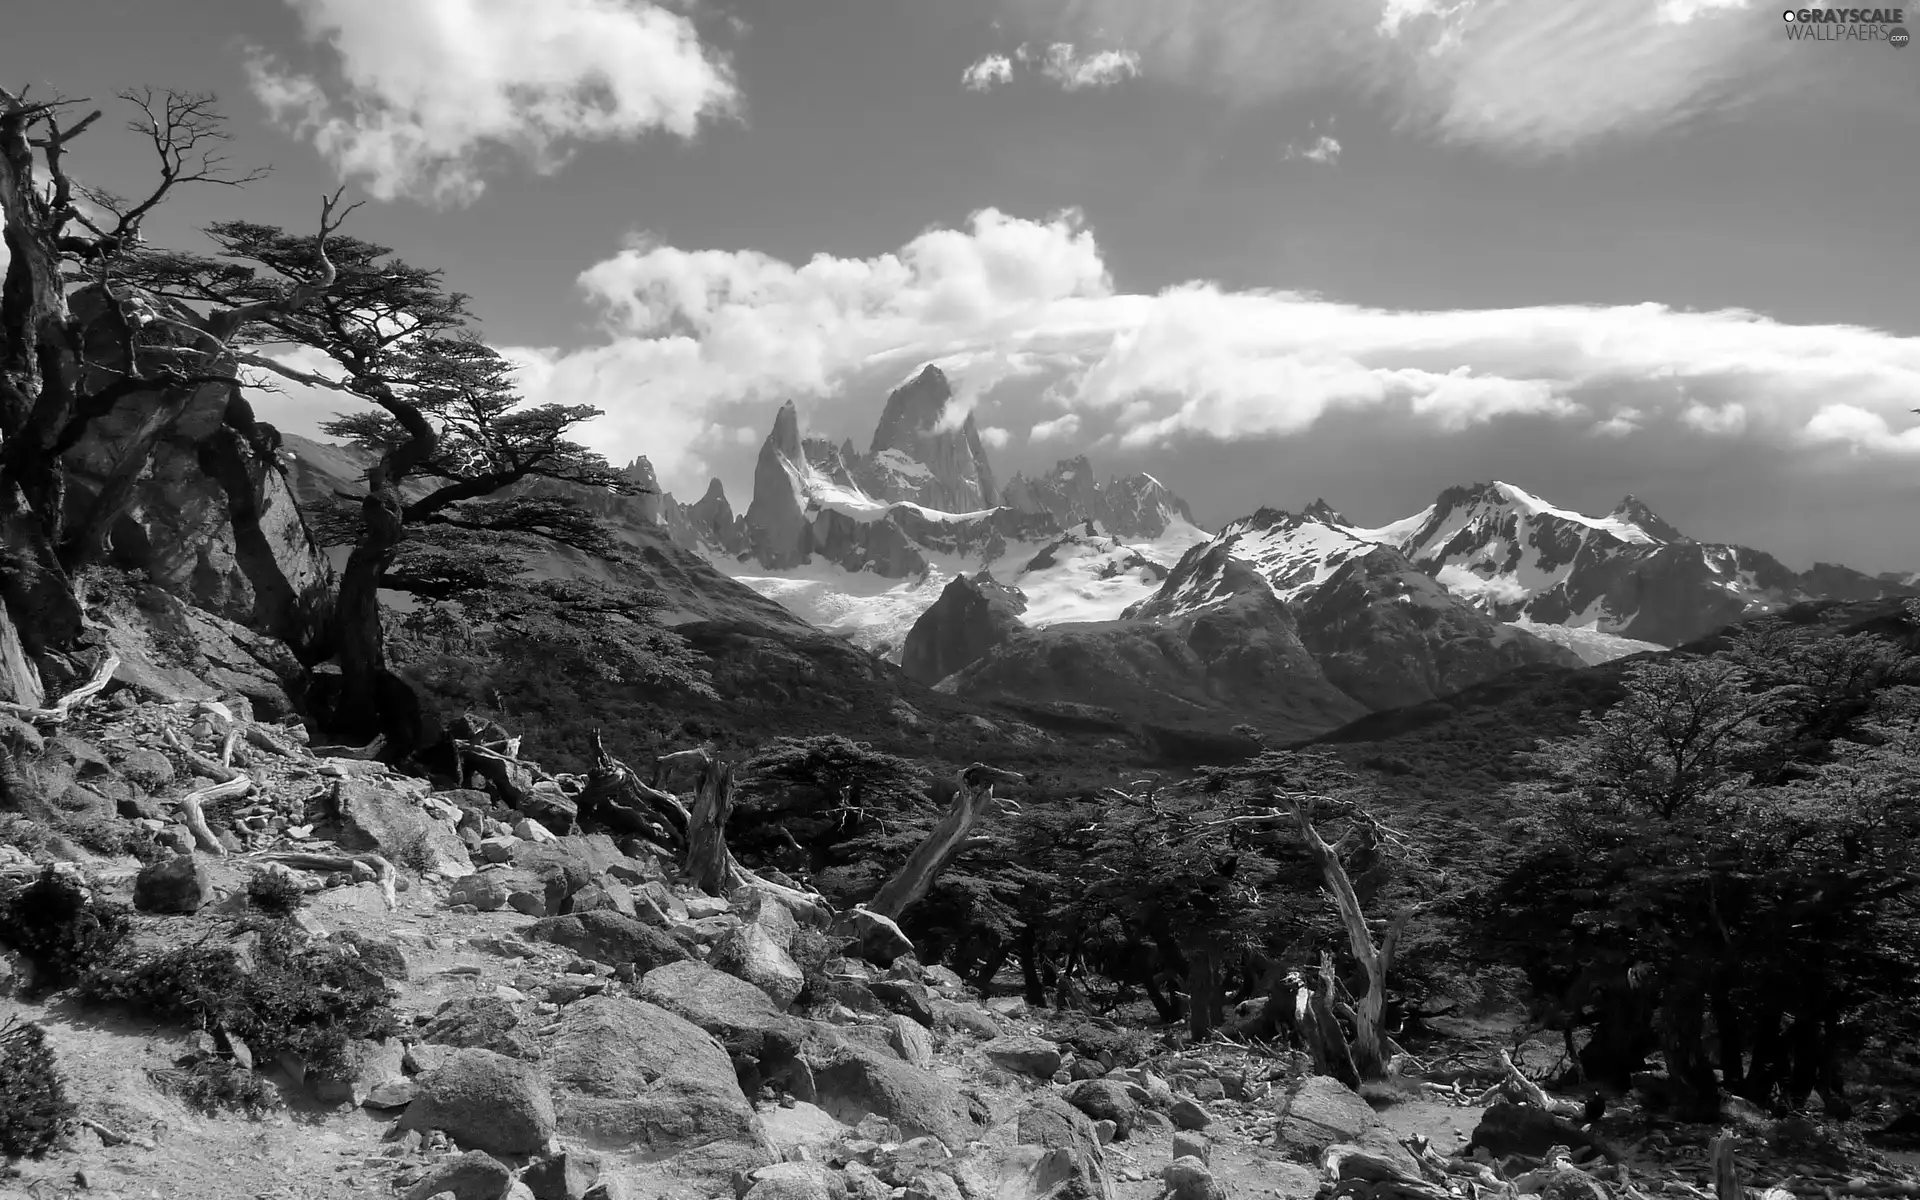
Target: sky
(1268, 250)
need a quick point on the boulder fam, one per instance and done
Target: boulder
(1192, 1145)
(174, 885)
(1508, 1128)
(609, 937)
(369, 1064)
(1188, 1178)
(1318, 1113)
(1105, 1100)
(853, 1082)
(564, 1176)
(795, 1181)
(1024, 1054)
(960, 1017)
(753, 953)
(485, 1100)
(1188, 1113)
(365, 815)
(150, 770)
(881, 941)
(910, 1040)
(629, 1074)
(474, 1175)
(481, 1023)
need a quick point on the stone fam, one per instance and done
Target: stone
(609, 937)
(629, 1074)
(795, 1181)
(1188, 1113)
(382, 956)
(753, 953)
(363, 814)
(606, 895)
(960, 1017)
(568, 1175)
(486, 891)
(933, 1186)
(881, 940)
(1024, 1054)
(1188, 1178)
(853, 1082)
(909, 1040)
(1187, 1144)
(1507, 1128)
(481, 1023)
(1105, 1100)
(368, 1065)
(801, 1128)
(149, 770)
(530, 830)
(394, 1093)
(174, 885)
(474, 1175)
(1318, 1113)
(485, 1100)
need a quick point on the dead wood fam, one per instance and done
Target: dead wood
(193, 812)
(1370, 1054)
(711, 866)
(57, 712)
(615, 796)
(973, 799)
(383, 872)
(366, 753)
(1534, 1094)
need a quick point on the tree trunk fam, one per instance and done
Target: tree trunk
(1683, 1039)
(1203, 990)
(711, 866)
(1370, 1054)
(358, 642)
(1320, 1029)
(1035, 988)
(1730, 1038)
(972, 800)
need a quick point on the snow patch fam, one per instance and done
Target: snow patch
(1593, 646)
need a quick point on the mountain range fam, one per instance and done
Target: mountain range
(1073, 594)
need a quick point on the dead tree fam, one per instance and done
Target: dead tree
(1370, 1053)
(973, 798)
(615, 797)
(711, 866)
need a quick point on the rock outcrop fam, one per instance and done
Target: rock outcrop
(921, 454)
(1137, 505)
(971, 617)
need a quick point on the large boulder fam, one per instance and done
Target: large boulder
(761, 1040)
(631, 1075)
(1508, 1128)
(1105, 1100)
(855, 1081)
(364, 814)
(481, 1023)
(486, 1101)
(1322, 1112)
(609, 937)
(1051, 1122)
(173, 885)
(1024, 1054)
(475, 1175)
(753, 953)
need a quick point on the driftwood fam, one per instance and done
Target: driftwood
(194, 814)
(973, 798)
(218, 771)
(615, 796)
(302, 860)
(64, 707)
(1319, 1028)
(1534, 1094)
(711, 866)
(366, 753)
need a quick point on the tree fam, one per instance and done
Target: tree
(64, 365)
(447, 427)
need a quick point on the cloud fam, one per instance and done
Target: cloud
(1025, 316)
(988, 73)
(1323, 149)
(995, 437)
(425, 95)
(1060, 63)
(1528, 80)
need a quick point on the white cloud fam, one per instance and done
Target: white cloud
(1532, 80)
(431, 90)
(1102, 68)
(1061, 63)
(1024, 313)
(1863, 430)
(994, 436)
(988, 73)
(1324, 149)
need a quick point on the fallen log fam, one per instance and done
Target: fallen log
(383, 872)
(193, 811)
(366, 753)
(1534, 1094)
(61, 709)
(218, 771)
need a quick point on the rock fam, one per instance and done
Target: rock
(485, 1100)
(795, 1181)
(149, 770)
(529, 830)
(365, 815)
(1187, 1178)
(394, 1093)
(369, 1064)
(484, 890)
(481, 1023)
(174, 885)
(762, 1041)
(933, 1186)
(1188, 1113)
(474, 1175)
(801, 1128)
(1571, 1184)
(1052, 1123)
(1105, 1100)
(701, 907)
(1208, 1088)
(960, 1016)
(627, 1073)
(608, 895)
(609, 937)
(881, 941)
(382, 956)
(754, 954)
(1507, 1128)
(853, 1082)
(1025, 1054)
(910, 1041)
(567, 1175)
(1317, 1114)
(1192, 1145)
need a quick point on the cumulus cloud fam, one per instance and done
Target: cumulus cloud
(1026, 317)
(988, 73)
(1531, 80)
(424, 94)
(1324, 149)
(995, 437)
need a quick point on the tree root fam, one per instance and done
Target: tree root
(60, 710)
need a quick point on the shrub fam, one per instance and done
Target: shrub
(34, 1109)
(275, 892)
(214, 1084)
(60, 927)
(296, 998)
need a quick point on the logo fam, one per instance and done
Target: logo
(1847, 25)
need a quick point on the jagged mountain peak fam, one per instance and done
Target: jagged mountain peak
(1634, 511)
(786, 431)
(1321, 511)
(913, 409)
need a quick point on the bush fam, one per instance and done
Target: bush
(297, 998)
(214, 1084)
(1103, 1042)
(277, 893)
(34, 1109)
(60, 927)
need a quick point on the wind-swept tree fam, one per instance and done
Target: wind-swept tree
(77, 339)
